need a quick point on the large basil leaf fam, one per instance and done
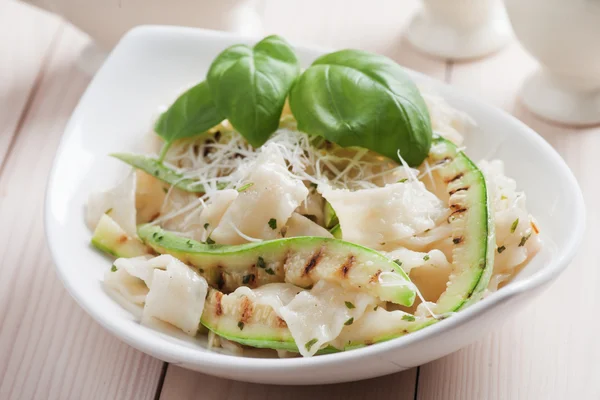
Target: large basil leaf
(355, 98)
(250, 85)
(192, 113)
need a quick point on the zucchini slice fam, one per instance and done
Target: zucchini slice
(301, 261)
(241, 320)
(472, 226)
(110, 238)
(159, 170)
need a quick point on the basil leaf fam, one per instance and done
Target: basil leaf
(156, 168)
(250, 85)
(355, 98)
(191, 114)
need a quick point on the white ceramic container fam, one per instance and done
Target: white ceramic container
(460, 29)
(147, 70)
(106, 21)
(564, 36)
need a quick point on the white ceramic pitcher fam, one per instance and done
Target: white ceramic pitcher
(460, 29)
(564, 36)
(107, 20)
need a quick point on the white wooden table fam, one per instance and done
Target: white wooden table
(49, 348)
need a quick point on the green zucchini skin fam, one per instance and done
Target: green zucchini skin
(157, 169)
(473, 261)
(110, 238)
(473, 231)
(331, 218)
(301, 261)
(336, 231)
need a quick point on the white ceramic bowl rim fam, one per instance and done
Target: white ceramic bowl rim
(169, 351)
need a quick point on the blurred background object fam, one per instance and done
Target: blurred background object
(564, 36)
(107, 20)
(460, 29)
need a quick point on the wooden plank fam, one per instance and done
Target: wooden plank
(183, 384)
(27, 35)
(49, 348)
(550, 349)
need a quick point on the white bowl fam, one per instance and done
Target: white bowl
(146, 70)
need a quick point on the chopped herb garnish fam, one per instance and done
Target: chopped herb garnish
(310, 344)
(270, 271)
(113, 268)
(209, 241)
(349, 322)
(375, 308)
(241, 325)
(247, 279)
(426, 257)
(273, 223)
(313, 185)
(189, 243)
(501, 249)
(159, 238)
(408, 317)
(398, 262)
(200, 270)
(156, 172)
(246, 186)
(514, 225)
(403, 180)
(206, 225)
(165, 190)
(108, 211)
(349, 305)
(524, 240)
(154, 235)
(261, 262)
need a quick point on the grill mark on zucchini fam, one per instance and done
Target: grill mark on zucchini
(345, 268)
(375, 276)
(444, 160)
(451, 192)
(456, 177)
(454, 213)
(286, 257)
(314, 260)
(218, 305)
(247, 310)
(220, 278)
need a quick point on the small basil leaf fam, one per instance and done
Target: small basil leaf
(355, 98)
(191, 114)
(156, 168)
(250, 85)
